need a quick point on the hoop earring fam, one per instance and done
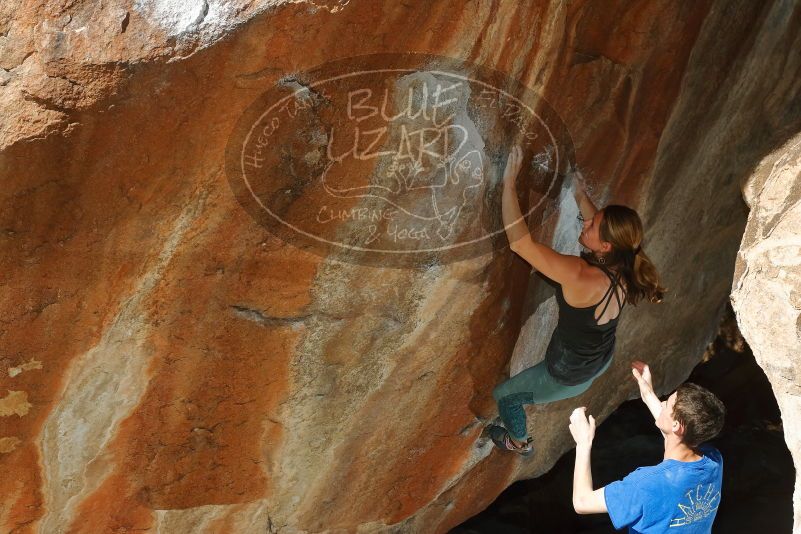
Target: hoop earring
(601, 260)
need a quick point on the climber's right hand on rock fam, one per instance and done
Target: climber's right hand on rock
(577, 179)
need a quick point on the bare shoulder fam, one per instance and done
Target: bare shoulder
(581, 277)
(590, 274)
(577, 271)
(590, 283)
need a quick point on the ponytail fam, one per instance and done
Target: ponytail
(644, 282)
(621, 226)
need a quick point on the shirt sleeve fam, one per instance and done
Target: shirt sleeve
(624, 500)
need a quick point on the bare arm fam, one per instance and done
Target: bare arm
(513, 223)
(642, 373)
(559, 267)
(585, 205)
(585, 499)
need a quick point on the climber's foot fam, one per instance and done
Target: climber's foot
(500, 436)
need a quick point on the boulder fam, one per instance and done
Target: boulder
(766, 292)
(170, 363)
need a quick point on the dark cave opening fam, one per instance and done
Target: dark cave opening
(758, 471)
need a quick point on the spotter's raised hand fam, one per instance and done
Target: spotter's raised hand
(581, 428)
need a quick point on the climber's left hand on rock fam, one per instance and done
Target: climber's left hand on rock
(582, 429)
(513, 164)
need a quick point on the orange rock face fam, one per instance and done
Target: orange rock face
(170, 365)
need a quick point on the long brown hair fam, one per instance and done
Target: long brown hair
(622, 228)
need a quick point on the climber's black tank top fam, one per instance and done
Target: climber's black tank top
(579, 346)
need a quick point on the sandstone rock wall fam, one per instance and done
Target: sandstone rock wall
(767, 284)
(168, 366)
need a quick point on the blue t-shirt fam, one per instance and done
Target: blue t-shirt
(674, 497)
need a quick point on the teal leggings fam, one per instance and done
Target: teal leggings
(535, 385)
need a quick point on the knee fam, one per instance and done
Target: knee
(498, 393)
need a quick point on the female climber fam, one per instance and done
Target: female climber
(591, 290)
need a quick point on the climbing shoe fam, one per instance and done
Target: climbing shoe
(501, 438)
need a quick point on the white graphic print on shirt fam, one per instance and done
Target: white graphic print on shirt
(698, 508)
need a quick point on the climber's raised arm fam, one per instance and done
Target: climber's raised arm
(559, 267)
(585, 205)
(642, 374)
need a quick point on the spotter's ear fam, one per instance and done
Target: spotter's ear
(678, 429)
